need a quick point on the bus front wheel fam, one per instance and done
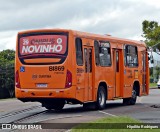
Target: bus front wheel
(101, 98)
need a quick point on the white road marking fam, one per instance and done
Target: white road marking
(107, 113)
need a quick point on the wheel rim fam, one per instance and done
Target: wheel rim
(101, 98)
(134, 94)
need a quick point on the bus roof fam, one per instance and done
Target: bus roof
(109, 38)
(90, 35)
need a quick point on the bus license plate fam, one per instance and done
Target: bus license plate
(42, 85)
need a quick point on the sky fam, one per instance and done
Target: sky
(119, 18)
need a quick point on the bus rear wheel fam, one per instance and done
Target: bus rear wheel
(57, 106)
(131, 100)
(101, 98)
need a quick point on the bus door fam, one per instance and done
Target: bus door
(117, 69)
(144, 90)
(88, 72)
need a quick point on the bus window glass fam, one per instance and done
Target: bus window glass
(96, 49)
(104, 53)
(42, 45)
(131, 56)
(79, 54)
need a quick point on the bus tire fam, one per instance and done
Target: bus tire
(131, 100)
(58, 106)
(101, 98)
(48, 107)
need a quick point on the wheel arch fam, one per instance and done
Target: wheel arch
(104, 84)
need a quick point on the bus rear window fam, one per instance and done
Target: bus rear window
(43, 44)
(47, 45)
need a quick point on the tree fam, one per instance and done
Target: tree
(7, 71)
(7, 56)
(151, 32)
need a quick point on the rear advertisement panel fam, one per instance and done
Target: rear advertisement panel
(43, 44)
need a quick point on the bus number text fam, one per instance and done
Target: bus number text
(56, 68)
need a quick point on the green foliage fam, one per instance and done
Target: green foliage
(157, 72)
(151, 71)
(7, 71)
(153, 85)
(7, 57)
(151, 32)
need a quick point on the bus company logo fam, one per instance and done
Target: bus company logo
(6, 126)
(25, 41)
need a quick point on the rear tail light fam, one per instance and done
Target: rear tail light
(68, 79)
(17, 83)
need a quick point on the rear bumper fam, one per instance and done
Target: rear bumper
(46, 93)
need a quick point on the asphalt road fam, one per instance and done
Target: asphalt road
(151, 104)
(147, 109)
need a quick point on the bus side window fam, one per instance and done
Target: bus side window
(79, 54)
(96, 50)
(131, 56)
(104, 53)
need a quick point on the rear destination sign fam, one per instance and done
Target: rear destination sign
(43, 44)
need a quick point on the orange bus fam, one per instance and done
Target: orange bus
(59, 66)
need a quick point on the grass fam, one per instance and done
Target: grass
(112, 124)
(151, 85)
